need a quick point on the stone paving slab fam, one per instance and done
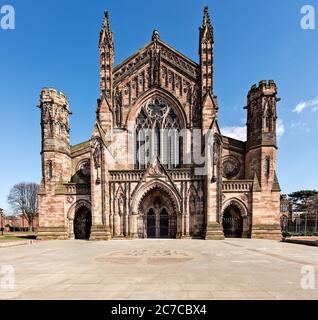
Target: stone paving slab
(14, 243)
(159, 269)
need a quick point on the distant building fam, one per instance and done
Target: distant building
(18, 223)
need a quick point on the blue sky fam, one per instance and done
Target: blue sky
(55, 43)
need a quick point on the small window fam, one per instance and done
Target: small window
(267, 166)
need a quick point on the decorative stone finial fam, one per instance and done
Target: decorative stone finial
(155, 35)
(206, 17)
(106, 35)
(206, 30)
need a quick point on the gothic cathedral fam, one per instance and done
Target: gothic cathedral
(157, 165)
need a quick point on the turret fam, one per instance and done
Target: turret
(206, 46)
(261, 133)
(55, 135)
(105, 112)
(106, 47)
(261, 115)
(260, 159)
(56, 163)
(206, 53)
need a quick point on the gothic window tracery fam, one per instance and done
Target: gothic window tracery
(157, 132)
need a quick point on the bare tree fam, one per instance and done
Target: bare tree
(23, 198)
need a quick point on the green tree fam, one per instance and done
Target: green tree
(312, 204)
(300, 198)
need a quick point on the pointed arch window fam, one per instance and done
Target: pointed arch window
(157, 132)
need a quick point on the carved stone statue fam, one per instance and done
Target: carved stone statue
(118, 107)
(97, 154)
(156, 68)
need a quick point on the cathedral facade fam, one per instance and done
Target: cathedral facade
(157, 164)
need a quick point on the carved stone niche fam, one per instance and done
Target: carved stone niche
(231, 167)
(155, 169)
(97, 155)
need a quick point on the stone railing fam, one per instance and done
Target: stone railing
(131, 175)
(136, 175)
(183, 174)
(237, 185)
(74, 188)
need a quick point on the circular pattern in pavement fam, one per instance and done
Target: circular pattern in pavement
(150, 257)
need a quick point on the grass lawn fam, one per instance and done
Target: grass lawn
(12, 236)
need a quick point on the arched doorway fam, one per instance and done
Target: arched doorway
(82, 223)
(232, 222)
(159, 217)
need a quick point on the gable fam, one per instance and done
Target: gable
(157, 66)
(157, 172)
(169, 56)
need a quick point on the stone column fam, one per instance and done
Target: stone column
(116, 225)
(71, 226)
(213, 183)
(100, 220)
(186, 233)
(187, 224)
(126, 224)
(245, 227)
(145, 226)
(133, 232)
(121, 224)
(182, 225)
(157, 224)
(127, 212)
(111, 224)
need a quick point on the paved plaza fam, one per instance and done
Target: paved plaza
(159, 269)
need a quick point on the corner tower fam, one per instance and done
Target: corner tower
(260, 161)
(56, 162)
(261, 131)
